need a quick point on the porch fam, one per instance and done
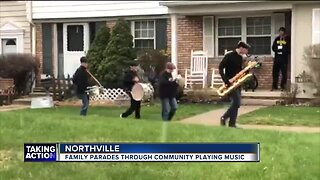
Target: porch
(214, 27)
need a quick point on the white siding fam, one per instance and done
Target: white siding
(81, 9)
(316, 26)
(301, 37)
(16, 13)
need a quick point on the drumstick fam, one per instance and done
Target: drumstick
(93, 78)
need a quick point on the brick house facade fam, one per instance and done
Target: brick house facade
(190, 37)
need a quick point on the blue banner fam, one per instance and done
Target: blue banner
(160, 148)
(36, 152)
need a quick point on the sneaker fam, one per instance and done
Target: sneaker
(222, 121)
(234, 126)
(121, 116)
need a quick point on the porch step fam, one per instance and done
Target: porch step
(22, 101)
(39, 89)
(262, 94)
(259, 102)
(39, 94)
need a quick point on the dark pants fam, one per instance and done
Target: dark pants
(134, 107)
(85, 103)
(169, 107)
(279, 64)
(232, 112)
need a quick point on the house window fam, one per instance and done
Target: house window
(259, 34)
(75, 38)
(258, 31)
(229, 33)
(316, 26)
(143, 33)
(9, 46)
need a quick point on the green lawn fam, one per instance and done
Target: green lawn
(283, 155)
(283, 116)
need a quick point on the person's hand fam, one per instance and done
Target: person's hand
(171, 79)
(228, 83)
(136, 79)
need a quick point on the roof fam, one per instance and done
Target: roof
(190, 3)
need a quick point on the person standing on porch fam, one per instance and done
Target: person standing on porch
(232, 64)
(81, 80)
(281, 48)
(167, 92)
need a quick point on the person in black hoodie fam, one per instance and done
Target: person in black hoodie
(81, 80)
(232, 63)
(130, 79)
(167, 92)
(281, 48)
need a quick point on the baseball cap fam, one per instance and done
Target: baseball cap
(243, 45)
(83, 59)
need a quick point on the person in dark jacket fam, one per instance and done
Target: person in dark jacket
(167, 92)
(281, 48)
(232, 63)
(130, 79)
(81, 80)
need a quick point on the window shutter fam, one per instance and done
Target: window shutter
(279, 21)
(316, 26)
(47, 48)
(60, 50)
(208, 35)
(161, 34)
(100, 24)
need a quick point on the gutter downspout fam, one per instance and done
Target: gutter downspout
(33, 38)
(33, 30)
(293, 40)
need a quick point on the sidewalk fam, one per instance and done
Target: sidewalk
(212, 118)
(13, 107)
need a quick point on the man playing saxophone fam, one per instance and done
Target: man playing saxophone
(231, 65)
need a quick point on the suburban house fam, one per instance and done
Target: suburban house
(215, 26)
(16, 29)
(65, 29)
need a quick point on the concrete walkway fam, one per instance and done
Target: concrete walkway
(212, 118)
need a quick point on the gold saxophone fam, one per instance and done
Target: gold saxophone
(237, 80)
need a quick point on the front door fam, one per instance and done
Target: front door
(75, 45)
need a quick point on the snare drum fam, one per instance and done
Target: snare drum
(93, 90)
(142, 91)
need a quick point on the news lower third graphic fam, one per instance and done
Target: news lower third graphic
(142, 152)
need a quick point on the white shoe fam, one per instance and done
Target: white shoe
(121, 116)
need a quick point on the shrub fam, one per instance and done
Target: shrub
(22, 68)
(95, 54)
(153, 63)
(290, 95)
(201, 96)
(118, 54)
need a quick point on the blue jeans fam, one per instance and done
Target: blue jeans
(169, 107)
(232, 112)
(85, 104)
